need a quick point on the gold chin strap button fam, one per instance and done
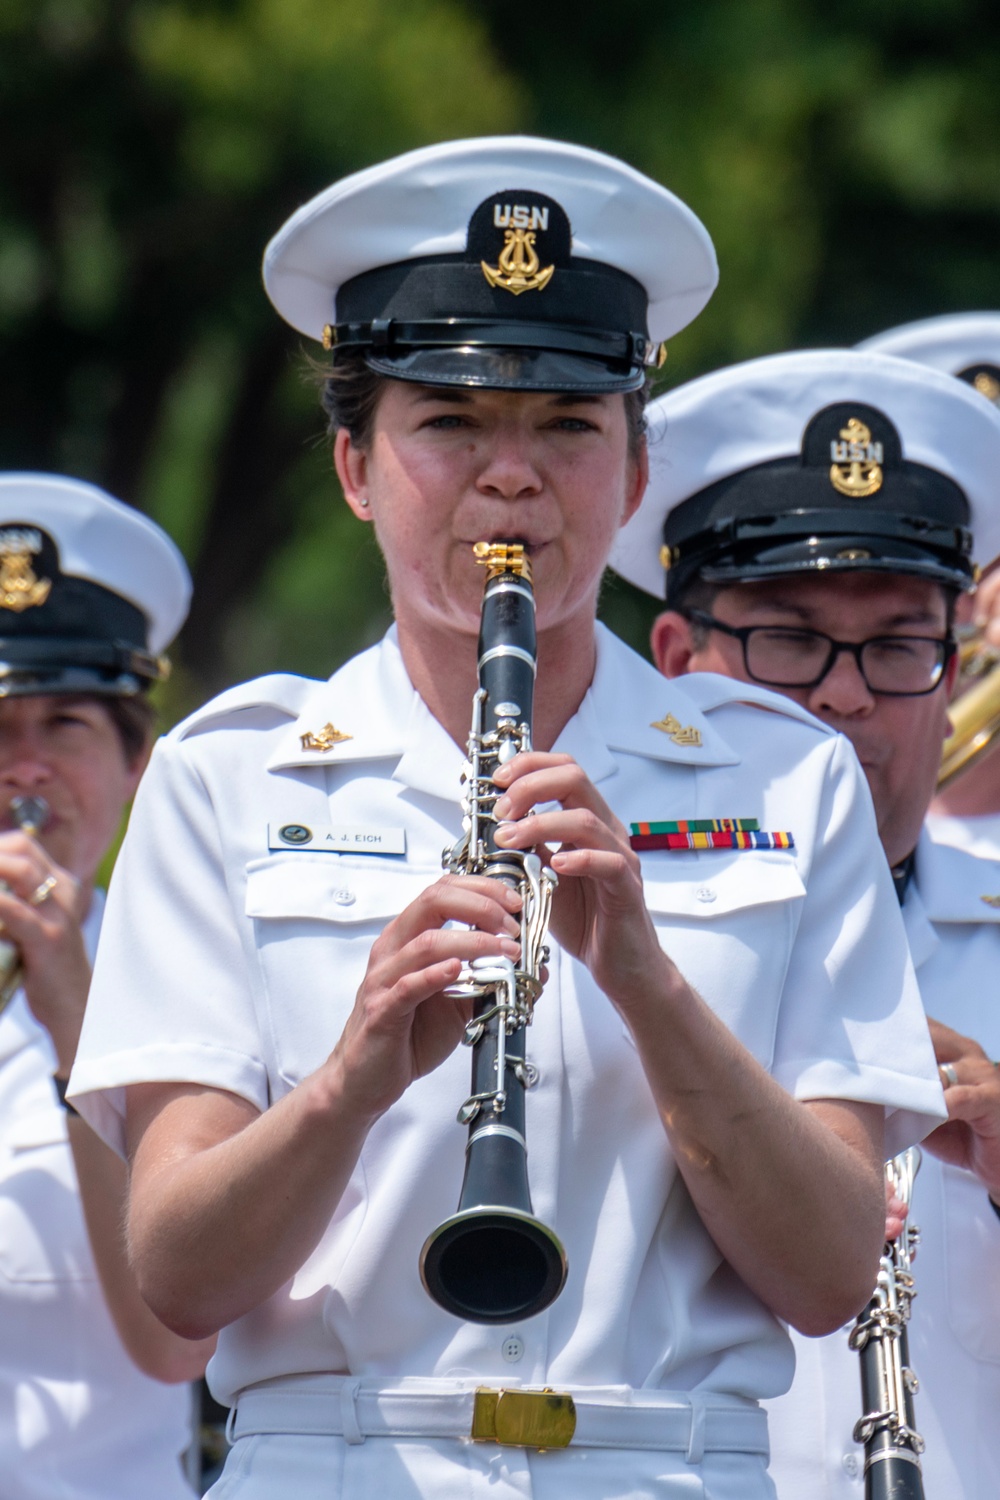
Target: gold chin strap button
(524, 1419)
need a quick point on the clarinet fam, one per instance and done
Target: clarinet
(493, 1261)
(29, 814)
(888, 1430)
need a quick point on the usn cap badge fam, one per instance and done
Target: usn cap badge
(529, 223)
(856, 470)
(518, 267)
(20, 589)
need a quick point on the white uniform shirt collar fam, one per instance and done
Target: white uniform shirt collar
(386, 718)
(956, 885)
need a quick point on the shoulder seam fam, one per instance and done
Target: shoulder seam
(281, 691)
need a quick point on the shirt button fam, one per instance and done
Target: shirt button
(851, 1464)
(705, 893)
(512, 1348)
(344, 897)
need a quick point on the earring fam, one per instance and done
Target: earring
(364, 504)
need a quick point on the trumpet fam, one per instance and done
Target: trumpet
(29, 814)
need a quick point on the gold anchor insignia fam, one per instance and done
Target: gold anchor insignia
(325, 739)
(680, 734)
(19, 587)
(517, 270)
(991, 900)
(988, 386)
(856, 470)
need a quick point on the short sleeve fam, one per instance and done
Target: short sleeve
(852, 1025)
(171, 998)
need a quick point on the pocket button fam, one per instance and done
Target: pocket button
(344, 897)
(706, 893)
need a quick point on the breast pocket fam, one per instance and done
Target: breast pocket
(729, 923)
(315, 918)
(43, 1239)
(973, 1263)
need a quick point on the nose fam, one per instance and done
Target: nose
(843, 691)
(508, 471)
(23, 768)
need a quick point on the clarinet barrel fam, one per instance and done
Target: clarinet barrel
(493, 1261)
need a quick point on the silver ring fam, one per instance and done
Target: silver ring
(947, 1071)
(42, 892)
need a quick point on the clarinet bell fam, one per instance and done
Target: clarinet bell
(494, 1262)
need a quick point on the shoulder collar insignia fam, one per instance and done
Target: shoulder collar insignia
(323, 739)
(680, 734)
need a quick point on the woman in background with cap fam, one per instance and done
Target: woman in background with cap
(286, 1087)
(90, 593)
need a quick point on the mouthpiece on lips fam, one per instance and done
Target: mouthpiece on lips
(29, 813)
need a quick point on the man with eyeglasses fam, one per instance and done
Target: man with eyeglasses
(809, 523)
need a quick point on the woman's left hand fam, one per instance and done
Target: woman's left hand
(41, 909)
(599, 912)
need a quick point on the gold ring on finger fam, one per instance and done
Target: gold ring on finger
(42, 892)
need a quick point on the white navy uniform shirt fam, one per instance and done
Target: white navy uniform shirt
(978, 833)
(230, 963)
(955, 1324)
(78, 1420)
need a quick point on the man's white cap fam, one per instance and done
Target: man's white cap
(441, 264)
(91, 591)
(815, 460)
(962, 344)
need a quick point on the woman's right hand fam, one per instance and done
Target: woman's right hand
(403, 1025)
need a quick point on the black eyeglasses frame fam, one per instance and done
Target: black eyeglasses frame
(946, 644)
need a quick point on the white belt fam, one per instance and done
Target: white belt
(584, 1416)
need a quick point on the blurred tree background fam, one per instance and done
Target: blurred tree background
(846, 159)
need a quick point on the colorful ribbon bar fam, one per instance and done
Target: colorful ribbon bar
(699, 825)
(736, 839)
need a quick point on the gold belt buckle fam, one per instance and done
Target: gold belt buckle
(524, 1419)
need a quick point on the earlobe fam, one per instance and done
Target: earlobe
(671, 643)
(351, 464)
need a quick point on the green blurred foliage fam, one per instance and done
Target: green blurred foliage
(844, 158)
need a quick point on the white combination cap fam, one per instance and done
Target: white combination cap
(91, 591)
(504, 261)
(962, 344)
(819, 459)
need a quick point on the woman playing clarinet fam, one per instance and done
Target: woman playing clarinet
(724, 1036)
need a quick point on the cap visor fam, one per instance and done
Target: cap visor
(845, 554)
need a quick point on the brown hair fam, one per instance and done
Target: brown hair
(135, 721)
(350, 394)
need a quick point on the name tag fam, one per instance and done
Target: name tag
(336, 838)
